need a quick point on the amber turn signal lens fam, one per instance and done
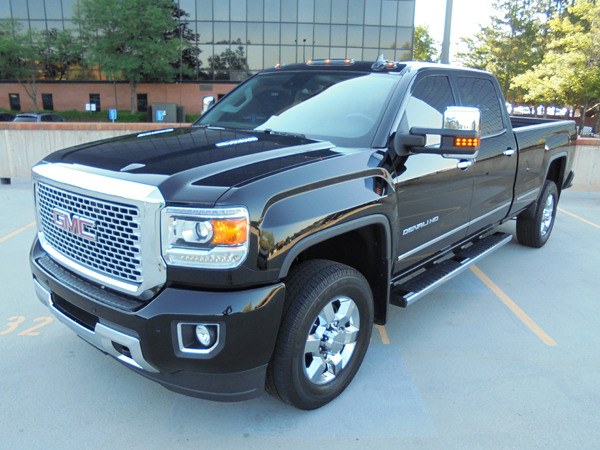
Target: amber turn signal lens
(229, 232)
(466, 142)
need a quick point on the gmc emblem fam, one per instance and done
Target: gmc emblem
(79, 226)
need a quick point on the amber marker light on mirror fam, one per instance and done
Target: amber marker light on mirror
(466, 142)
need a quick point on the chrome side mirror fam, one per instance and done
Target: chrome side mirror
(462, 118)
(207, 103)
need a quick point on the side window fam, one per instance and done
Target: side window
(480, 93)
(429, 99)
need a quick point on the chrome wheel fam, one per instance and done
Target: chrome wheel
(331, 340)
(547, 215)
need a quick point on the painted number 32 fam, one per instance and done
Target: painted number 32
(12, 326)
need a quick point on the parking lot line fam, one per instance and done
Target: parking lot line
(514, 308)
(383, 333)
(580, 218)
(14, 233)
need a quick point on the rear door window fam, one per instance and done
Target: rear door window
(480, 93)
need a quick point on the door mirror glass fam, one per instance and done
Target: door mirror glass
(207, 103)
(462, 118)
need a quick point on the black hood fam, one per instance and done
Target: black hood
(176, 159)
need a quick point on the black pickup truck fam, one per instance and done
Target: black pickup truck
(257, 248)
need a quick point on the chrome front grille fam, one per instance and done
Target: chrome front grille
(116, 250)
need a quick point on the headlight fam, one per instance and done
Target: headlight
(205, 237)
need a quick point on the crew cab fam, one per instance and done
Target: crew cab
(258, 247)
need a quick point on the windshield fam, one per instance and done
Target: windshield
(341, 107)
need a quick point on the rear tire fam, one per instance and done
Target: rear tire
(324, 334)
(533, 229)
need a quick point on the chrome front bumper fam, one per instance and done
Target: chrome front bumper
(102, 337)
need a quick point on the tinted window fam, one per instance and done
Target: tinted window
(95, 99)
(142, 102)
(480, 93)
(430, 97)
(15, 102)
(47, 102)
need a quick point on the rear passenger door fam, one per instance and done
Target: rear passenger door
(496, 164)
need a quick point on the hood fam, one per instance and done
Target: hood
(195, 158)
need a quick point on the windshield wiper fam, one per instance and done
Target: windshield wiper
(282, 133)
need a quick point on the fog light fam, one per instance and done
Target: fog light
(203, 335)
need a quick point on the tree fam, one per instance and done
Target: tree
(513, 44)
(569, 74)
(127, 39)
(58, 51)
(425, 47)
(189, 55)
(19, 55)
(220, 66)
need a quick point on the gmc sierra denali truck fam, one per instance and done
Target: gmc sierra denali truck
(257, 248)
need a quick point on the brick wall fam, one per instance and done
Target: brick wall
(74, 95)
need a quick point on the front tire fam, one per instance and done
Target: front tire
(533, 229)
(324, 335)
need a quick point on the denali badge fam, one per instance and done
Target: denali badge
(420, 225)
(79, 226)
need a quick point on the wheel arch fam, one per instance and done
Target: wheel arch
(364, 244)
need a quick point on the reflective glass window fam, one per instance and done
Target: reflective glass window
(305, 34)
(38, 25)
(189, 6)
(289, 10)
(403, 55)
(272, 11)
(356, 12)
(404, 38)
(406, 14)
(204, 10)
(68, 7)
(255, 33)
(255, 57)
(5, 8)
(371, 37)
(337, 53)
(272, 33)
(271, 56)
(55, 24)
(339, 11)
(322, 11)
(387, 38)
(429, 98)
(354, 53)
(238, 10)
(321, 53)
(205, 30)
(238, 32)
(389, 12)
(370, 54)
(221, 32)
(288, 54)
(338, 35)
(221, 10)
(306, 10)
(70, 25)
(36, 9)
(355, 36)
(255, 10)
(19, 10)
(480, 93)
(288, 34)
(322, 35)
(372, 12)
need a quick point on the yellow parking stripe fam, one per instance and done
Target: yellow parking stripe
(14, 233)
(580, 218)
(514, 308)
(383, 333)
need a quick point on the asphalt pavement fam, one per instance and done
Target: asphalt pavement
(504, 356)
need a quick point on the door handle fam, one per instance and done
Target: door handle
(509, 152)
(464, 164)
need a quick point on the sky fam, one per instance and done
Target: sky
(467, 15)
